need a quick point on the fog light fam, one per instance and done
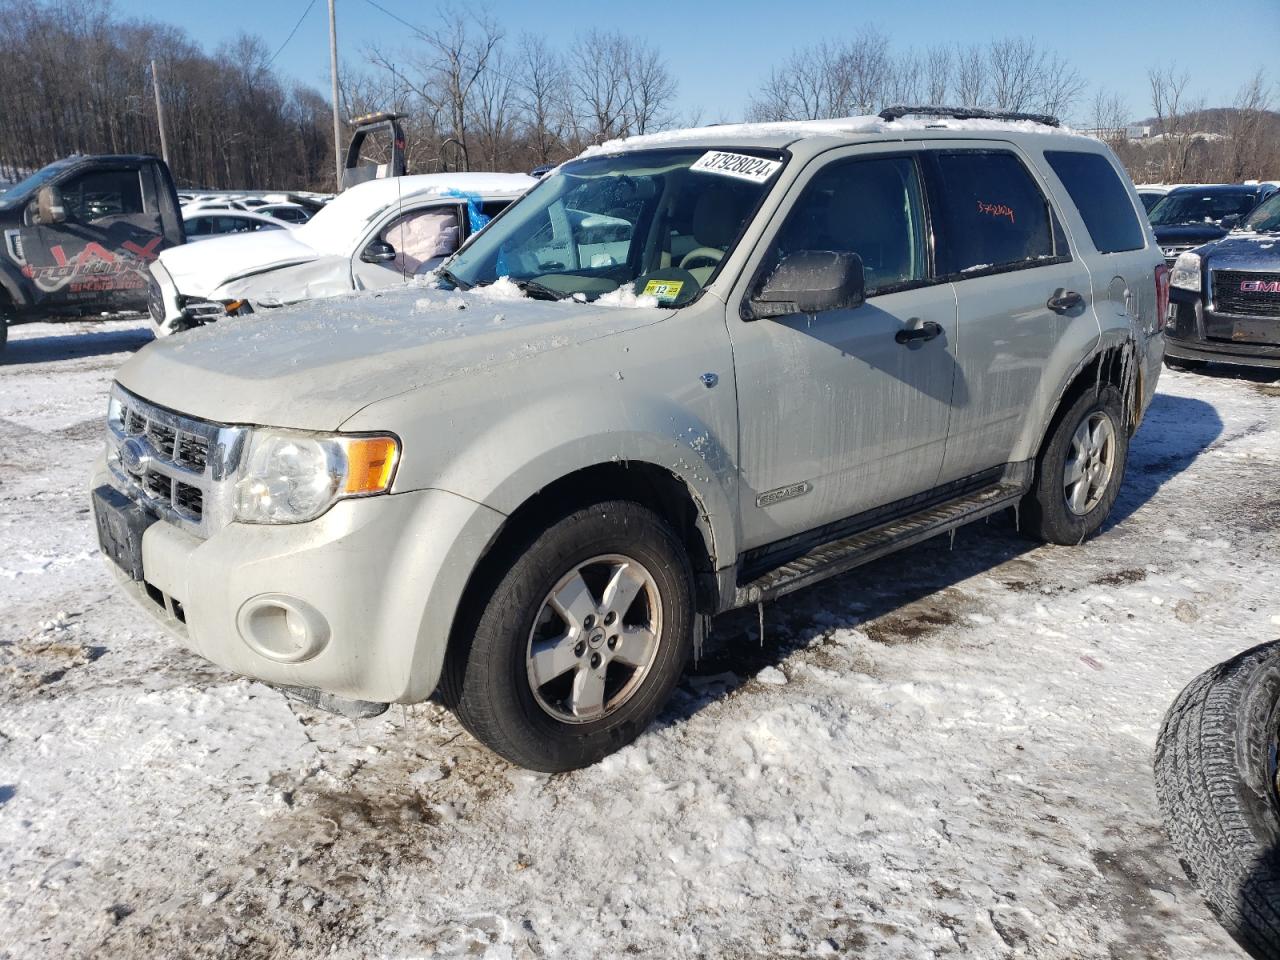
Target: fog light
(282, 628)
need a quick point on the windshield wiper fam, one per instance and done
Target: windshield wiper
(537, 291)
(449, 275)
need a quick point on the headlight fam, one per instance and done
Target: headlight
(294, 477)
(1186, 272)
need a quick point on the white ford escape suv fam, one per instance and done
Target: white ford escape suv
(684, 373)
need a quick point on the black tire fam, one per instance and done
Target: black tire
(1186, 366)
(1215, 772)
(487, 681)
(1045, 514)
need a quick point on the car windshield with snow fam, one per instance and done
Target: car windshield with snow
(687, 373)
(654, 223)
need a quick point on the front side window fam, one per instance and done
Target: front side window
(1101, 198)
(102, 193)
(656, 222)
(421, 237)
(991, 215)
(872, 207)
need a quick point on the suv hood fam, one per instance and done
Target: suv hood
(1194, 233)
(200, 268)
(314, 365)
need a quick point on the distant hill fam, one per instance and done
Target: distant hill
(1216, 120)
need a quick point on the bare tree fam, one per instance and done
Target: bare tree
(1110, 116)
(938, 66)
(598, 72)
(1176, 119)
(971, 76)
(650, 88)
(1247, 133)
(540, 95)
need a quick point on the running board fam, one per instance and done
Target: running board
(839, 556)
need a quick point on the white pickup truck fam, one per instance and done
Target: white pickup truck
(375, 235)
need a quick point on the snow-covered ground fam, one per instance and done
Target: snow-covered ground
(945, 754)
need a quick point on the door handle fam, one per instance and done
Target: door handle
(926, 331)
(1064, 301)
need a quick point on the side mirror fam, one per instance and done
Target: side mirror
(1230, 220)
(378, 252)
(811, 281)
(49, 206)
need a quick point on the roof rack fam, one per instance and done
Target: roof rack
(966, 113)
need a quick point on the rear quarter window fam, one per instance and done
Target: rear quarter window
(1100, 196)
(992, 216)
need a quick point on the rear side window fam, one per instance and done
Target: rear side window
(991, 215)
(1101, 198)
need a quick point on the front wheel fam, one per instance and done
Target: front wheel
(1079, 471)
(581, 642)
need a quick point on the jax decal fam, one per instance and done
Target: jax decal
(95, 268)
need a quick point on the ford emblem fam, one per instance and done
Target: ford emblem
(134, 456)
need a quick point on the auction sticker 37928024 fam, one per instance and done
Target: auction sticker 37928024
(740, 166)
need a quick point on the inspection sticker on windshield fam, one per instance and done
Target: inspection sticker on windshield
(738, 165)
(663, 289)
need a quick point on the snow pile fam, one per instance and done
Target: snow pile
(943, 754)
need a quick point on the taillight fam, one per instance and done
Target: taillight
(1162, 296)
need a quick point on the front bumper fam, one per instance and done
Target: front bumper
(385, 575)
(1185, 338)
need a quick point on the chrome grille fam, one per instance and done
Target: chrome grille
(178, 466)
(1228, 297)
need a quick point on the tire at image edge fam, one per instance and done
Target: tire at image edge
(1213, 766)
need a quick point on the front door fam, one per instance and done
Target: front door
(840, 412)
(97, 259)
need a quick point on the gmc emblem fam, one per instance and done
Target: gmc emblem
(1260, 286)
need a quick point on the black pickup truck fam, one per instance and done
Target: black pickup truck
(79, 234)
(1224, 297)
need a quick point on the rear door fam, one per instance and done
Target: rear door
(838, 415)
(97, 259)
(1018, 289)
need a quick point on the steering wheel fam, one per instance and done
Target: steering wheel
(701, 253)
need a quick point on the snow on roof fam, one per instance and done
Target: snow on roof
(781, 133)
(334, 227)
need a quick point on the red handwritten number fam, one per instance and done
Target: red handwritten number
(996, 210)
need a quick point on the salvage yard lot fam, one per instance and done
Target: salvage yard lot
(946, 753)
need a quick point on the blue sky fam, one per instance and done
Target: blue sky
(720, 51)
